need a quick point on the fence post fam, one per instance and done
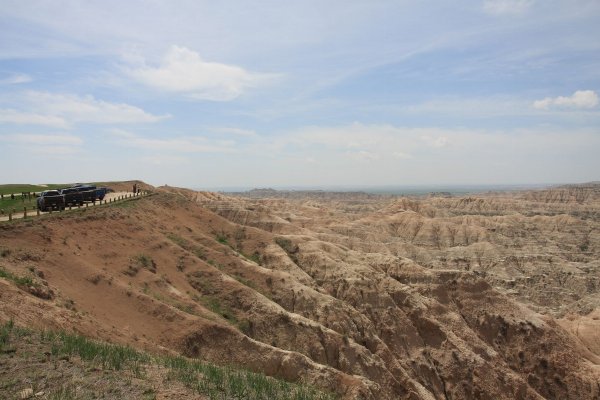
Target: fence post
(9, 216)
(24, 212)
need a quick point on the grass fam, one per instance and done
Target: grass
(8, 204)
(214, 305)
(222, 238)
(254, 257)
(186, 245)
(245, 282)
(215, 382)
(19, 280)
(145, 261)
(186, 308)
(127, 203)
(19, 187)
(285, 244)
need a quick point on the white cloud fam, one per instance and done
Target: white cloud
(364, 155)
(439, 141)
(184, 71)
(579, 99)
(236, 131)
(401, 155)
(507, 7)
(163, 160)
(17, 117)
(15, 79)
(183, 144)
(361, 142)
(39, 139)
(75, 108)
(45, 144)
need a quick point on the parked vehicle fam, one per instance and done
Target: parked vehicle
(73, 196)
(87, 191)
(101, 192)
(51, 199)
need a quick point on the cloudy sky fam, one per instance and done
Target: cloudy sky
(302, 93)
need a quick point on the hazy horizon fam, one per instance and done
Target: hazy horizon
(390, 189)
(233, 94)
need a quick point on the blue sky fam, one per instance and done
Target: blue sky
(306, 93)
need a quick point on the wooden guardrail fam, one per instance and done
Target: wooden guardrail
(12, 213)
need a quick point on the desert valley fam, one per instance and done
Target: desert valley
(353, 295)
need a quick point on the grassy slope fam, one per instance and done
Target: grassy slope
(7, 204)
(24, 187)
(69, 366)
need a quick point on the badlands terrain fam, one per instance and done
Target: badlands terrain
(487, 296)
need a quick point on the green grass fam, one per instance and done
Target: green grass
(215, 382)
(214, 305)
(245, 281)
(144, 261)
(19, 280)
(254, 257)
(222, 238)
(186, 245)
(186, 308)
(7, 204)
(23, 187)
(178, 240)
(65, 392)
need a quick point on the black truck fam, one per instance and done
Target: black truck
(51, 199)
(73, 196)
(88, 192)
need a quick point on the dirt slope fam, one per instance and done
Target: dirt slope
(373, 298)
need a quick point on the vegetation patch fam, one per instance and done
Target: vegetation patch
(186, 245)
(286, 244)
(222, 238)
(20, 188)
(201, 378)
(245, 281)
(140, 261)
(215, 305)
(254, 257)
(18, 280)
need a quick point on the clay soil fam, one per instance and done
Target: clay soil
(476, 297)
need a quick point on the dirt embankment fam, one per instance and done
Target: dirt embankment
(369, 298)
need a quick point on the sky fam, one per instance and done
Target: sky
(217, 94)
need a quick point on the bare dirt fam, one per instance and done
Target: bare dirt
(490, 296)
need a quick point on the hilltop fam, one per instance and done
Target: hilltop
(375, 297)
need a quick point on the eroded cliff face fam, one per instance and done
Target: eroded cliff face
(369, 297)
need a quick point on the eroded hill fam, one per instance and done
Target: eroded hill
(381, 298)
